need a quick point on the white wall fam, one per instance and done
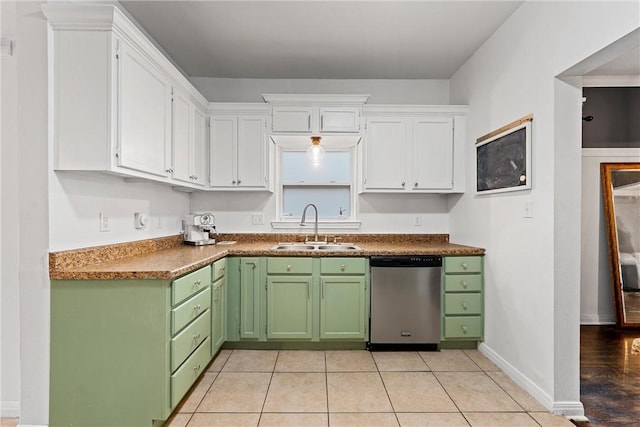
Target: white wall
(31, 182)
(596, 303)
(9, 289)
(76, 199)
(379, 213)
(381, 91)
(532, 264)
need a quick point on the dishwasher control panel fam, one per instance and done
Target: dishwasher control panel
(406, 261)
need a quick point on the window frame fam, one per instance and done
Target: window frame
(300, 144)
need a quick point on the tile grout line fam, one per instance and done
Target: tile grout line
(326, 385)
(264, 402)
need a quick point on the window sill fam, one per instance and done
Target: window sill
(322, 225)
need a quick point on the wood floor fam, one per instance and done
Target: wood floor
(609, 376)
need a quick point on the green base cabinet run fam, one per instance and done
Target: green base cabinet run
(300, 300)
(218, 305)
(124, 352)
(462, 299)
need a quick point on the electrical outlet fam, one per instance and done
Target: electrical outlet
(257, 219)
(417, 221)
(104, 222)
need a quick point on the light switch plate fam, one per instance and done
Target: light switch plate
(528, 209)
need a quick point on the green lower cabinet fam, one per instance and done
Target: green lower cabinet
(250, 314)
(462, 300)
(219, 315)
(289, 307)
(342, 308)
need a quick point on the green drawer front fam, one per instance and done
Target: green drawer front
(188, 285)
(183, 314)
(462, 304)
(289, 266)
(463, 264)
(343, 266)
(187, 340)
(463, 283)
(219, 268)
(463, 327)
(189, 372)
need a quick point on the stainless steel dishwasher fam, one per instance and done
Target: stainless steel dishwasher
(405, 302)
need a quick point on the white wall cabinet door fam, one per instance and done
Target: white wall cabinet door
(199, 157)
(182, 137)
(222, 151)
(385, 152)
(251, 152)
(292, 119)
(432, 153)
(189, 141)
(144, 101)
(340, 119)
(239, 152)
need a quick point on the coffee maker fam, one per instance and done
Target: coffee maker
(197, 228)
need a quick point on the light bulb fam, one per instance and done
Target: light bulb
(315, 152)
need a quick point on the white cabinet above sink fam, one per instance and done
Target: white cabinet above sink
(316, 114)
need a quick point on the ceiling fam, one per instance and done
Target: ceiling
(390, 39)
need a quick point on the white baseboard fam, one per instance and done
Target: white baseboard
(31, 425)
(596, 319)
(562, 408)
(9, 409)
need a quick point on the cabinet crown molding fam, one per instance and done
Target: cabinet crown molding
(315, 99)
(389, 109)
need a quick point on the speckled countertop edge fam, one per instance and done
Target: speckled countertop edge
(168, 257)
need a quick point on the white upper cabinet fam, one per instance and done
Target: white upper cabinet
(190, 141)
(343, 119)
(413, 149)
(316, 114)
(112, 100)
(239, 149)
(385, 153)
(292, 119)
(144, 113)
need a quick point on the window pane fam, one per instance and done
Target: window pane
(335, 167)
(328, 200)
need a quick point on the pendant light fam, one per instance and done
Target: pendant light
(315, 152)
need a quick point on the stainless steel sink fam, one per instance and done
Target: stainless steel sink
(326, 247)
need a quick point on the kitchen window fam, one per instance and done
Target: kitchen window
(330, 186)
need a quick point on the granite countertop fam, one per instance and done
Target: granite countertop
(168, 257)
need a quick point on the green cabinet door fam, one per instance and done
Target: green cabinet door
(289, 307)
(249, 298)
(219, 327)
(342, 308)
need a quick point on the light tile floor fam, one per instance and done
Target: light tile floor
(358, 388)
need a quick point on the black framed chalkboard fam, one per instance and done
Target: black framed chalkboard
(503, 159)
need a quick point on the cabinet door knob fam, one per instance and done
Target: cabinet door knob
(289, 267)
(464, 265)
(415, 184)
(464, 284)
(233, 182)
(342, 267)
(464, 305)
(239, 182)
(403, 183)
(464, 329)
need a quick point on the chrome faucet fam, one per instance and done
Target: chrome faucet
(304, 216)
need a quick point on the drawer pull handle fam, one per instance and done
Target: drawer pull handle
(221, 271)
(196, 369)
(464, 329)
(322, 288)
(464, 265)
(308, 289)
(464, 284)
(196, 337)
(289, 267)
(197, 307)
(342, 267)
(464, 305)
